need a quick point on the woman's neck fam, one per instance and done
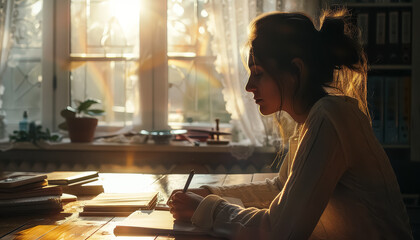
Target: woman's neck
(302, 108)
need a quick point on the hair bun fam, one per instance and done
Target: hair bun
(339, 39)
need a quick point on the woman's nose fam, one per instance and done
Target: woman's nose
(250, 87)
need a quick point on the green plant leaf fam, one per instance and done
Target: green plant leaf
(34, 134)
(84, 106)
(95, 112)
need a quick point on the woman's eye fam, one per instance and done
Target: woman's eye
(257, 74)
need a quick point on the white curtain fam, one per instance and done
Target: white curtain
(6, 8)
(229, 20)
(5, 36)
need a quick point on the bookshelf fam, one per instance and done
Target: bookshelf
(394, 71)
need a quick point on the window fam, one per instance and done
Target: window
(112, 41)
(114, 56)
(21, 54)
(149, 62)
(195, 91)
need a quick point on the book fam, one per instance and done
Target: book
(120, 202)
(363, 20)
(406, 36)
(404, 109)
(394, 55)
(375, 99)
(379, 52)
(68, 177)
(14, 181)
(36, 192)
(150, 223)
(25, 187)
(391, 110)
(30, 205)
(68, 198)
(93, 187)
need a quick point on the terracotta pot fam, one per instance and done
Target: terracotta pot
(81, 129)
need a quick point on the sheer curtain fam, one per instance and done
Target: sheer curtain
(228, 22)
(6, 7)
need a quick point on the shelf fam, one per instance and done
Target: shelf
(390, 5)
(396, 146)
(390, 67)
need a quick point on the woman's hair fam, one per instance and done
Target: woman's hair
(333, 55)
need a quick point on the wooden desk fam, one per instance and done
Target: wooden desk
(68, 224)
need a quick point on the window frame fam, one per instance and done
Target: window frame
(56, 75)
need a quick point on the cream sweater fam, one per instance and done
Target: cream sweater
(339, 185)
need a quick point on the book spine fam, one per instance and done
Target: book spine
(376, 105)
(363, 25)
(393, 37)
(404, 110)
(380, 38)
(406, 36)
(391, 110)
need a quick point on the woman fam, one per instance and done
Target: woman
(339, 183)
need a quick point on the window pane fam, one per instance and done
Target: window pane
(101, 30)
(195, 91)
(182, 25)
(113, 83)
(22, 78)
(105, 27)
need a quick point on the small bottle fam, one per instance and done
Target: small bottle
(23, 124)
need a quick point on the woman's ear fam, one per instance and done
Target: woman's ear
(298, 68)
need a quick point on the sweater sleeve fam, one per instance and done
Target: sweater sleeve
(256, 194)
(295, 211)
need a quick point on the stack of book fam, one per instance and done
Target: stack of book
(24, 194)
(119, 204)
(77, 183)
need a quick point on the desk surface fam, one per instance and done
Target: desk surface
(69, 225)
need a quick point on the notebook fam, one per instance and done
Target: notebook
(92, 187)
(15, 181)
(31, 205)
(114, 203)
(68, 177)
(25, 187)
(50, 190)
(151, 223)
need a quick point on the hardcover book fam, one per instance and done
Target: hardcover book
(120, 202)
(68, 177)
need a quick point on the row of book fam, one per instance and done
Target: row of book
(31, 193)
(385, 33)
(389, 102)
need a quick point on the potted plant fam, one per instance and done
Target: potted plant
(35, 135)
(80, 121)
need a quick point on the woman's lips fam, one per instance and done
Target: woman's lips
(258, 100)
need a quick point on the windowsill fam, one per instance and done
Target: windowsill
(175, 157)
(174, 146)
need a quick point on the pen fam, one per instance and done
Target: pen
(187, 184)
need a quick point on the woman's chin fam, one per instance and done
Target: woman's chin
(266, 112)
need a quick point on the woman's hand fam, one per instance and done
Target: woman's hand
(199, 191)
(183, 205)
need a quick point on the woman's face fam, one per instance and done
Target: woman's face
(264, 87)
